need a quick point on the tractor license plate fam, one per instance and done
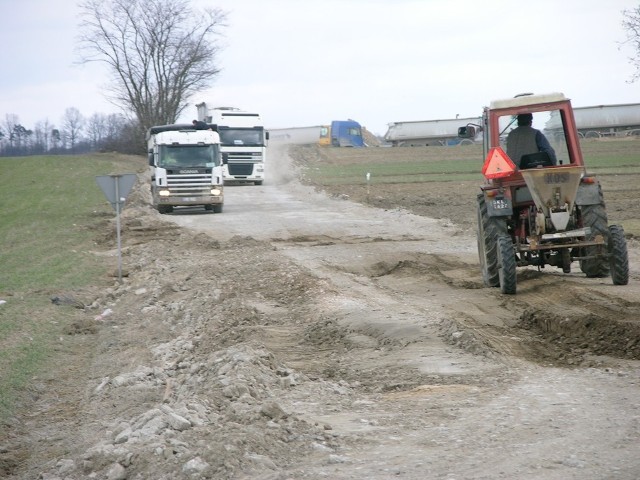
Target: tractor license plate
(500, 204)
(188, 199)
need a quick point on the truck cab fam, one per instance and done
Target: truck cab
(186, 167)
(346, 133)
(243, 142)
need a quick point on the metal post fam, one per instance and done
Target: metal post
(118, 229)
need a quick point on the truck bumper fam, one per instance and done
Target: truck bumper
(186, 201)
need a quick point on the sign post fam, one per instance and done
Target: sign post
(116, 188)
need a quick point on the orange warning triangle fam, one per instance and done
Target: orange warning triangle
(498, 164)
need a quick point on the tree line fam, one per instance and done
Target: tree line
(158, 54)
(75, 134)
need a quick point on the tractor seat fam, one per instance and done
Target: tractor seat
(534, 160)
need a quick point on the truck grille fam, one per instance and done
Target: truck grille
(240, 168)
(244, 157)
(189, 184)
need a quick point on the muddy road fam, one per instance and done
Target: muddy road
(534, 380)
(300, 336)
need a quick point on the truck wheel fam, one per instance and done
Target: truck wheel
(259, 182)
(165, 209)
(618, 256)
(217, 208)
(595, 216)
(506, 265)
(489, 229)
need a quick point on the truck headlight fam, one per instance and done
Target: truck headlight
(215, 191)
(164, 193)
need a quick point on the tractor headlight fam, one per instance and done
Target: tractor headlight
(164, 193)
(215, 191)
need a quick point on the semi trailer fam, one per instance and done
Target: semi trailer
(425, 133)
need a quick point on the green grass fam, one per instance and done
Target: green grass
(395, 172)
(623, 159)
(51, 212)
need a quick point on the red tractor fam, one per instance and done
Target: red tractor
(541, 207)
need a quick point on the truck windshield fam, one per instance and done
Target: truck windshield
(189, 156)
(241, 136)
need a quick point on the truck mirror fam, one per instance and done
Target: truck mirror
(266, 135)
(468, 131)
(151, 157)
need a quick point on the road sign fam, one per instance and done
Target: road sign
(116, 188)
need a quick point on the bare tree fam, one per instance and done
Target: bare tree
(10, 122)
(72, 124)
(41, 133)
(158, 52)
(631, 24)
(56, 138)
(96, 129)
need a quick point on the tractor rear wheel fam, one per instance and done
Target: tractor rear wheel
(618, 256)
(489, 229)
(506, 265)
(595, 217)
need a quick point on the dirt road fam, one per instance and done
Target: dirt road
(297, 336)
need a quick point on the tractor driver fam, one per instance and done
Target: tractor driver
(525, 139)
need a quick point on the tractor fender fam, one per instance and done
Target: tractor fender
(588, 194)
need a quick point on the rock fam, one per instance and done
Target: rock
(195, 466)
(272, 410)
(117, 472)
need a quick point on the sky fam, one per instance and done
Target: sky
(306, 62)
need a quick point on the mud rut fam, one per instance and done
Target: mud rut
(308, 337)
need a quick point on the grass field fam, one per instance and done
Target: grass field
(50, 211)
(438, 164)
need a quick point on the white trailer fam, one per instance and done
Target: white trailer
(602, 120)
(429, 132)
(296, 135)
(243, 142)
(186, 168)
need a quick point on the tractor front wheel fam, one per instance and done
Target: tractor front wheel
(506, 265)
(618, 256)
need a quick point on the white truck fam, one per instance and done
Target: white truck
(186, 167)
(424, 133)
(243, 142)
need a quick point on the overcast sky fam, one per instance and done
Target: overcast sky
(307, 62)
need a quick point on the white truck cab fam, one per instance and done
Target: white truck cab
(186, 167)
(243, 142)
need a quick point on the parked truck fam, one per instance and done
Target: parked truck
(602, 121)
(425, 133)
(243, 142)
(342, 133)
(186, 167)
